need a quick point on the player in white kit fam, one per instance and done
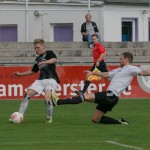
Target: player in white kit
(120, 79)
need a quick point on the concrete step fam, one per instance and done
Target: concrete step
(109, 59)
(70, 53)
(126, 44)
(48, 45)
(58, 52)
(73, 52)
(136, 59)
(135, 51)
(70, 60)
(74, 45)
(17, 60)
(17, 53)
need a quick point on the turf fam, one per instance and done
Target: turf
(72, 128)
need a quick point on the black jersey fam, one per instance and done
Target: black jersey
(47, 70)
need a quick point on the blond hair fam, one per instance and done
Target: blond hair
(38, 41)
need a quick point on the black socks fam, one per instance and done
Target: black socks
(86, 85)
(108, 120)
(72, 100)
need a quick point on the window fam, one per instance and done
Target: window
(129, 29)
(126, 31)
(63, 32)
(8, 33)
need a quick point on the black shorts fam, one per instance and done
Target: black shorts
(106, 100)
(102, 67)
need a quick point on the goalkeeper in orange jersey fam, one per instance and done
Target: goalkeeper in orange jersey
(99, 54)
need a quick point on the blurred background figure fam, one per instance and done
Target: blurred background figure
(89, 28)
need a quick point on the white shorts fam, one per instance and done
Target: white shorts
(42, 85)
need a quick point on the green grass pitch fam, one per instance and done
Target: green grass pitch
(72, 128)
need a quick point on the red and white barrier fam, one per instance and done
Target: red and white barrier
(71, 77)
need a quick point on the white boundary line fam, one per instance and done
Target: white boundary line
(22, 142)
(50, 142)
(124, 145)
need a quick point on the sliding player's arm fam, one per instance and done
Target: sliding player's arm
(144, 73)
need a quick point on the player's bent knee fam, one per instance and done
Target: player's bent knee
(95, 120)
(89, 97)
(30, 93)
(26, 96)
(47, 97)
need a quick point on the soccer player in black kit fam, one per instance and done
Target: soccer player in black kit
(47, 80)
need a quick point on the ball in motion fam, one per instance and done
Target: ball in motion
(16, 117)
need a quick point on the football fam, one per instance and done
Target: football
(16, 117)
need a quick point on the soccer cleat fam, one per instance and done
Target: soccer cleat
(123, 121)
(54, 99)
(49, 120)
(79, 93)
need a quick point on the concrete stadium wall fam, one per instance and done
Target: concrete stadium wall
(108, 19)
(72, 53)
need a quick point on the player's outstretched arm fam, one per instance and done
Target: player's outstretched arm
(144, 73)
(27, 73)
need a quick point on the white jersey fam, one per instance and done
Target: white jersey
(121, 78)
